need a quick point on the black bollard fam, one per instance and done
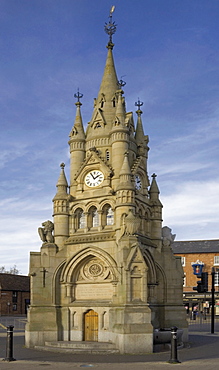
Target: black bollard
(173, 358)
(9, 344)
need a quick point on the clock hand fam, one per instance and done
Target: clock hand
(96, 176)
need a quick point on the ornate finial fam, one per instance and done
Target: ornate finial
(110, 28)
(121, 83)
(154, 176)
(139, 104)
(78, 96)
(62, 165)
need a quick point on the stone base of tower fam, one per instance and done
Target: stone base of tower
(134, 343)
(41, 326)
(128, 328)
(131, 329)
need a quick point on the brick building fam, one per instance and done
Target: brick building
(14, 294)
(203, 253)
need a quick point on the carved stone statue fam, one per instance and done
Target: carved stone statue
(167, 236)
(45, 232)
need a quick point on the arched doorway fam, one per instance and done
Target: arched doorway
(91, 326)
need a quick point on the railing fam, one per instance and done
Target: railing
(202, 322)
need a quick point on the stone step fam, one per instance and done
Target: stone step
(84, 344)
(79, 347)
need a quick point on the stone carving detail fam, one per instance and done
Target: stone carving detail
(45, 232)
(95, 270)
(130, 223)
(167, 236)
(125, 196)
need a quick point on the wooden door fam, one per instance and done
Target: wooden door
(91, 326)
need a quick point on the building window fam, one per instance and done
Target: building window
(216, 260)
(93, 217)
(107, 215)
(14, 296)
(184, 280)
(14, 307)
(79, 219)
(216, 279)
(110, 216)
(183, 261)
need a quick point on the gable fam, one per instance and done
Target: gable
(98, 119)
(93, 160)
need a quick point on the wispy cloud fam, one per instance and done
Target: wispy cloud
(18, 229)
(8, 155)
(193, 206)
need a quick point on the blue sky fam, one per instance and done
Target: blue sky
(167, 52)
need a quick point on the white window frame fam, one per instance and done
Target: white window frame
(216, 260)
(216, 279)
(184, 280)
(183, 261)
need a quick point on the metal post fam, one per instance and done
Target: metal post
(173, 358)
(212, 300)
(9, 344)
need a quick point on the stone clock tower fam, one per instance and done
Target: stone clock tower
(106, 273)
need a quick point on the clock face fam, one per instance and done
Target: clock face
(94, 178)
(138, 183)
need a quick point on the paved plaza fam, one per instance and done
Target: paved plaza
(202, 353)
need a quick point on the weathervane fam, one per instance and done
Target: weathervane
(78, 96)
(110, 28)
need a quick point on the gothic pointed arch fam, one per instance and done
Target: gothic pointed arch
(98, 115)
(93, 217)
(90, 273)
(152, 272)
(137, 275)
(107, 215)
(70, 268)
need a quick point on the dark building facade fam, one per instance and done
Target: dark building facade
(14, 294)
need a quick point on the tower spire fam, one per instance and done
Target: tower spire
(105, 104)
(120, 111)
(77, 131)
(154, 190)
(62, 183)
(139, 136)
(125, 175)
(76, 141)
